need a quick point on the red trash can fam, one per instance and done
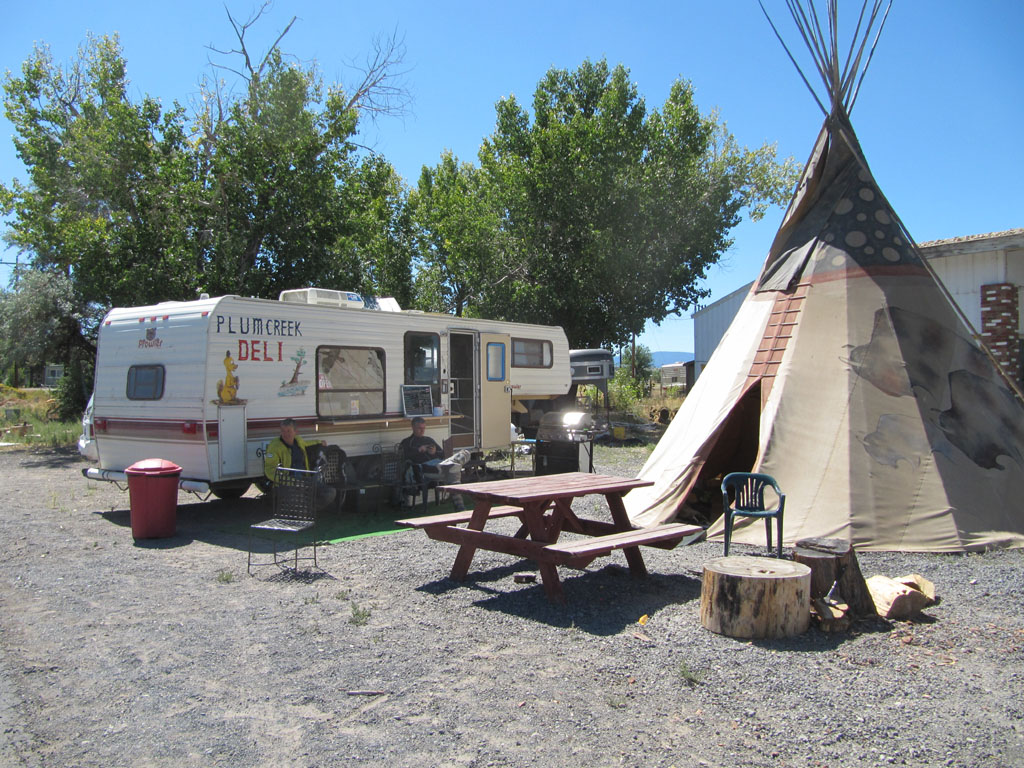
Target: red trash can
(153, 496)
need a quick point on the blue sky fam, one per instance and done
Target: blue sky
(940, 114)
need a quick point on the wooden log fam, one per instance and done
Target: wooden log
(832, 560)
(894, 600)
(745, 596)
(921, 584)
(832, 617)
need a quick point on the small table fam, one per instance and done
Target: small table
(544, 505)
(531, 448)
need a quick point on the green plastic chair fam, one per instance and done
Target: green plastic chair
(747, 490)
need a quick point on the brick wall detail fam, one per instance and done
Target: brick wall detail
(1000, 325)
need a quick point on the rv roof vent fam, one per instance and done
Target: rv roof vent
(387, 304)
(324, 297)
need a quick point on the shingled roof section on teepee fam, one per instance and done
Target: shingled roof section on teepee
(848, 373)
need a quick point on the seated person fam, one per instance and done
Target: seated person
(291, 452)
(422, 452)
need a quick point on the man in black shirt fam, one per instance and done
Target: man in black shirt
(420, 449)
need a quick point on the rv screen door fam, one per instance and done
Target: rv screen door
(495, 390)
(462, 388)
(231, 439)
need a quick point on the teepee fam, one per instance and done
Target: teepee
(848, 373)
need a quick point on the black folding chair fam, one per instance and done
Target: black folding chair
(338, 473)
(293, 497)
(404, 478)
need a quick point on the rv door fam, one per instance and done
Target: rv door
(495, 390)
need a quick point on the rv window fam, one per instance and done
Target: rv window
(495, 361)
(531, 353)
(350, 382)
(423, 361)
(145, 382)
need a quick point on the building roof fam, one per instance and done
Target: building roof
(966, 240)
(742, 290)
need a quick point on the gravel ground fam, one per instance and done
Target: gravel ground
(167, 654)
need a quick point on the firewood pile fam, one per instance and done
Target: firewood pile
(840, 593)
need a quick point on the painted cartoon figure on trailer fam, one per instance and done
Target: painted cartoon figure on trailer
(227, 390)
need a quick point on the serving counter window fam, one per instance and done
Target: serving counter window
(350, 382)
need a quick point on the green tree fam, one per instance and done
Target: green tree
(133, 205)
(632, 379)
(43, 320)
(290, 202)
(375, 250)
(457, 235)
(109, 181)
(253, 195)
(275, 165)
(638, 366)
(613, 213)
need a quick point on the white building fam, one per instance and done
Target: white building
(677, 375)
(985, 276)
(710, 324)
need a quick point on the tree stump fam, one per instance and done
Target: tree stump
(744, 596)
(833, 561)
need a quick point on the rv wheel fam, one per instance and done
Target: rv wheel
(229, 492)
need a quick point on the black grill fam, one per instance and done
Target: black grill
(562, 438)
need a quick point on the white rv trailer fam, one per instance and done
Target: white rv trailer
(205, 384)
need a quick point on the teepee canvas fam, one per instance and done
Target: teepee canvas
(849, 375)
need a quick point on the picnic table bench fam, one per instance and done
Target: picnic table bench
(544, 506)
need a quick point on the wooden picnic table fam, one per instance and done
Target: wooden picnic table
(544, 506)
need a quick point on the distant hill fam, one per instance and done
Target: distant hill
(666, 358)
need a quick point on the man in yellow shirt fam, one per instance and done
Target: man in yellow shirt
(290, 451)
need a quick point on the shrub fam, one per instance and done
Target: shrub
(72, 393)
(624, 391)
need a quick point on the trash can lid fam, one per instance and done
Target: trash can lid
(153, 467)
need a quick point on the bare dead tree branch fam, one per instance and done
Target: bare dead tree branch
(273, 47)
(382, 90)
(250, 72)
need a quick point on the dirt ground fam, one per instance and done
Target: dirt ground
(166, 653)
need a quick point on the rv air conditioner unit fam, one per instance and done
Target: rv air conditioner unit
(323, 297)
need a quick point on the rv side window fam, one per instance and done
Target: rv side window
(495, 361)
(531, 353)
(350, 382)
(145, 382)
(423, 361)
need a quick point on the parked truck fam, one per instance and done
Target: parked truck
(206, 383)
